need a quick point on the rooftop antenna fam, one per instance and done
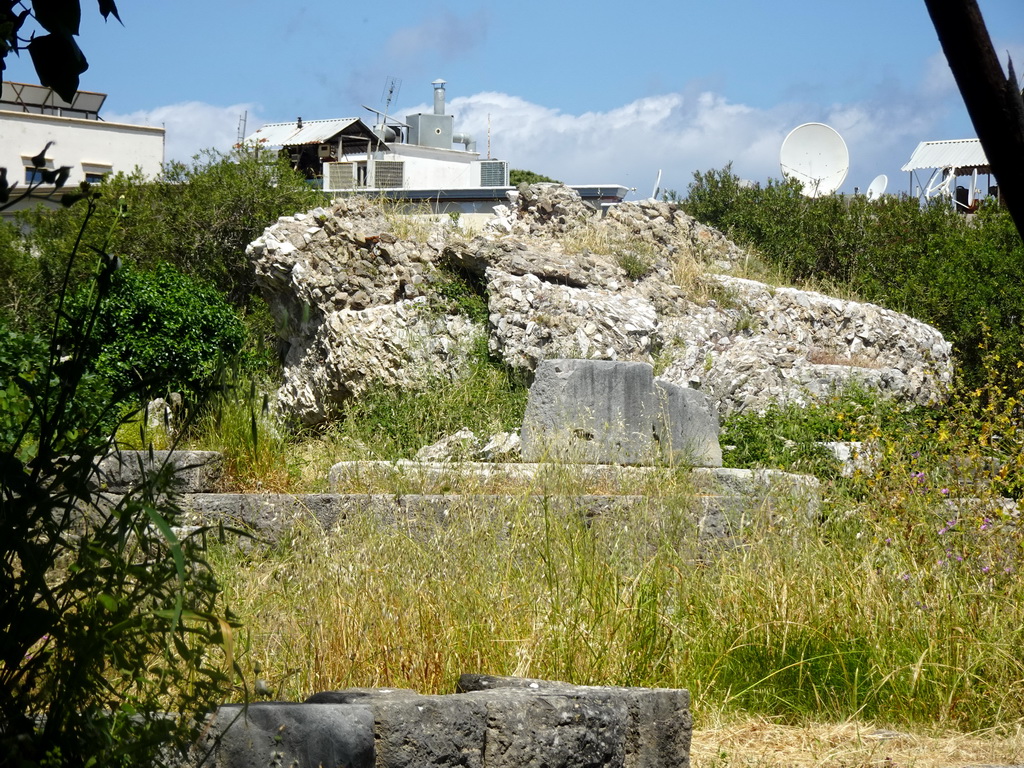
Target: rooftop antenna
(815, 155)
(241, 126)
(391, 88)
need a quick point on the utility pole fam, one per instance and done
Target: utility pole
(993, 100)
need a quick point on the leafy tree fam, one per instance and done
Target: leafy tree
(114, 641)
(199, 217)
(517, 177)
(57, 59)
(20, 287)
(161, 330)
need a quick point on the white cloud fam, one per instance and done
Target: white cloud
(193, 126)
(680, 133)
(629, 144)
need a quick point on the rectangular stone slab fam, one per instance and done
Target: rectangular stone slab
(590, 412)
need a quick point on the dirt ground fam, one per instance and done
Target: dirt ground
(764, 744)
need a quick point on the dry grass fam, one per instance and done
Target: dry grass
(760, 742)
(480, 478)
(825, 357)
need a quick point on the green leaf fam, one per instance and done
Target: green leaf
(61, 17)
(107, 8)
(58, 61)
(107, 601)
(176, 552)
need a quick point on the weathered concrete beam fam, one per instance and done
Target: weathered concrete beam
(493, 722)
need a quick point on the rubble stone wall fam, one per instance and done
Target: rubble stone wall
(360, 303)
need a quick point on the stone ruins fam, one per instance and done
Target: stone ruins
(360, 302)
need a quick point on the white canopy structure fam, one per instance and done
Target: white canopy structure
(947, 160)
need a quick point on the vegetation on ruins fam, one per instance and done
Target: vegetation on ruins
(953, 271)
(901, 605)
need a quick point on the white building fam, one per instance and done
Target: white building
(33, 117)
(413, 160)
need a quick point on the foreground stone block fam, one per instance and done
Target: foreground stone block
(287, 734)
(507, 722)
(541, 727)
(413, 730)
(611, 412)
(493, 722)
(657, 723)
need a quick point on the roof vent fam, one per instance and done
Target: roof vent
(438, 96)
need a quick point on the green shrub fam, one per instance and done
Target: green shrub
(114, 640)
(198, 217)
(462, 293)
(927, 261)
(517, 177)
(159, 331)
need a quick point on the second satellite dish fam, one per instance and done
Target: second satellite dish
(815, 155)
(877, 187)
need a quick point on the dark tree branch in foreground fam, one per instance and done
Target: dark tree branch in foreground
(993, 100)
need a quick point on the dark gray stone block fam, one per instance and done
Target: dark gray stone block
(193, 471)
(493, 722)
(414, 730)
(542, 728)
(287, 734)
(657, 725)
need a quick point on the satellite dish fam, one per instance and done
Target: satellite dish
(815, 155)
(877, 187)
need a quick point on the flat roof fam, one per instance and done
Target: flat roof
(591, 192)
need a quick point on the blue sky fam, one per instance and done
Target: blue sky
(594, 92)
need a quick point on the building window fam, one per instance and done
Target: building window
(34, 175)
(95, 178)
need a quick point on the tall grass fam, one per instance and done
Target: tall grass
(855, 619)
(902, 604)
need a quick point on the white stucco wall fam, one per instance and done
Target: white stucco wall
(428, 168)
(88, 146)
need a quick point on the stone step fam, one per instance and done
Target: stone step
(722, 504)
(271, 517)
(498, 722)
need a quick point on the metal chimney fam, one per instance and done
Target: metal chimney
(438, 97)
